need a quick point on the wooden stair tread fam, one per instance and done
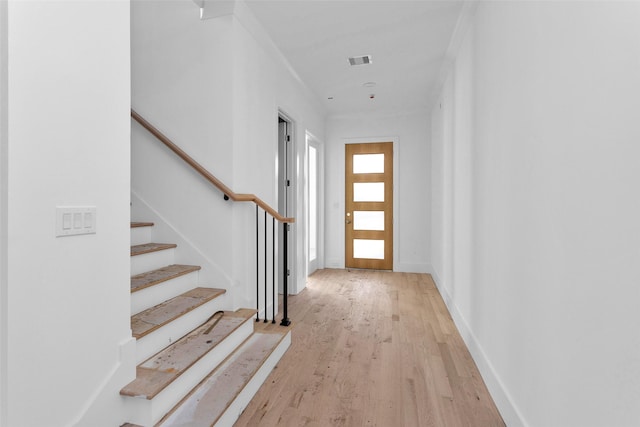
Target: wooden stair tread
(153, 318)
(156, 373)
(153, 277)
(208, 401)
(136, 224)
(150, 247)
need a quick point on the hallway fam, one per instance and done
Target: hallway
(372, 348)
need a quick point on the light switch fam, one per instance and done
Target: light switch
(88, 220)
(73, 220)
(77, 220)
(66, 221)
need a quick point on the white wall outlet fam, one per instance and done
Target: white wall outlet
(74, 220)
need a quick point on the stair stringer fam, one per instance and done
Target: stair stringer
(211, 273)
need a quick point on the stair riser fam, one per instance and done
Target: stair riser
(156, 294)
(151, 261)
(162, 337)
(140, 235)
(149, 412)
(233, 412)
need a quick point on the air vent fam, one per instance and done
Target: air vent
(360, 60)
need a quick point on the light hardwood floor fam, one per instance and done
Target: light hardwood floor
(372, 348)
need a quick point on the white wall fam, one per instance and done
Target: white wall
(413, 212)
(3, 209)
(442, 182)
(215, 88)
(181, 84)
(544, 211)
(264, 86)
(67, 320)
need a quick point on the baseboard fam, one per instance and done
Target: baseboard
(503, 400)
(403, 267)
(436, 279)
(334, 263)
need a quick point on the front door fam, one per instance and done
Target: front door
(369, 205)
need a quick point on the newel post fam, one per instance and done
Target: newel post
(285, 276)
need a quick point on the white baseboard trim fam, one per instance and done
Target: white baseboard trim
(334, 263)
(403, 267)
(436, 279)
(501, 396)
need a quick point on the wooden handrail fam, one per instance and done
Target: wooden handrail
(206, 174)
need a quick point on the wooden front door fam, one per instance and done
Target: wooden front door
(369, 205)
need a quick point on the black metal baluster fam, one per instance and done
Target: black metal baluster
(265, 267)
(285, 320)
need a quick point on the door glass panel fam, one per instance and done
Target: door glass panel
(368, 163)
(368, 191)
(368, 220)
(371, 249)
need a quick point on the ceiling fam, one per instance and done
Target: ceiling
(407, 40)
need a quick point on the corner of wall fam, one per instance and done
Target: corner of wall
(247, 19)
(465, 20)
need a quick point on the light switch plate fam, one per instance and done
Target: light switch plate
(74, 220)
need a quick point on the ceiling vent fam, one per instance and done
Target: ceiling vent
(360, 60)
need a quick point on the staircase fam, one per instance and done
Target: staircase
(198, 365)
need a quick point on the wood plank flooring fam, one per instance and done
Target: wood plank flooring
(372, 348)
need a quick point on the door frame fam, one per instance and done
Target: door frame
(312, 141)
(291, 200)
(396, 190)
